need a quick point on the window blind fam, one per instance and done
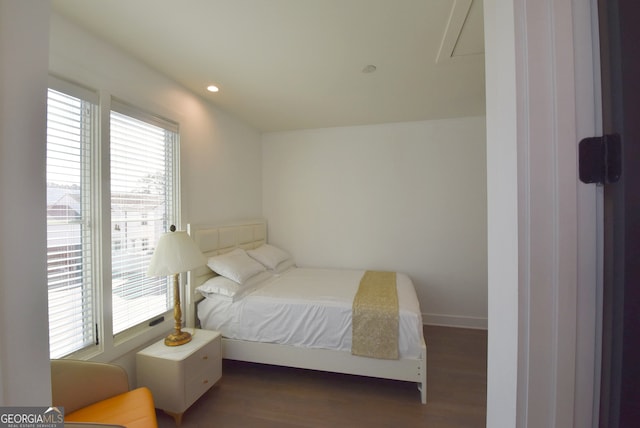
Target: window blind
(143, 206)
(70, 129)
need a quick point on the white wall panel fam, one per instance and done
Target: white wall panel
(24, 345)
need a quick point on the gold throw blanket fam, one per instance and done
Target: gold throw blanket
(375, 316)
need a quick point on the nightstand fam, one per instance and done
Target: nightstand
(178, 375)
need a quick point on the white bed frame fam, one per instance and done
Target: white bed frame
(214, 240)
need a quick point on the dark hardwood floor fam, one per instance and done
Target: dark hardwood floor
(255, 395)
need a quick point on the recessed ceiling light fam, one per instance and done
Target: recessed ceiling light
(369, 68)
(212, 88)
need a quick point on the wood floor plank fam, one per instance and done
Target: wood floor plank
(262, 396)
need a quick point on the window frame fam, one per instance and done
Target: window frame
(87, 190)
(110, 346)
(124, 108)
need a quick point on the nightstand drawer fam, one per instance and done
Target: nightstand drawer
(204, 368)
(197, 386)
(204, 360)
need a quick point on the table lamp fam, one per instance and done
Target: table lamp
(175, 253)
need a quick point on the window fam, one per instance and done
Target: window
(70, 137)
(143, 206)
(92, 257)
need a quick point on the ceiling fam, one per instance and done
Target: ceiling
(298, 64)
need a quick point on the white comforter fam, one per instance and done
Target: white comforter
(310, 308)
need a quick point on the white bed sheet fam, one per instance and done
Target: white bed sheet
(309, 308)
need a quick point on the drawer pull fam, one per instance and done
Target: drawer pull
(206, 381)
(206, 357)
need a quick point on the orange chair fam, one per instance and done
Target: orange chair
(98, 393)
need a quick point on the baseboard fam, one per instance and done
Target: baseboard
(455, 321)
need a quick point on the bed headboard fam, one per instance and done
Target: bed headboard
(214, 240)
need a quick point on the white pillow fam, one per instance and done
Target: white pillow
(269, 256)
(285, 265)
(257, 279)
(220, 286)
(235, 265)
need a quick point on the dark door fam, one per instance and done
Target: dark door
(620, 58)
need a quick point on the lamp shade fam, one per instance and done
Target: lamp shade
(175, 253)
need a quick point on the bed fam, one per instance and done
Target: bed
(283, 316)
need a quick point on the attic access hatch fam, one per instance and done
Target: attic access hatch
(466, 19)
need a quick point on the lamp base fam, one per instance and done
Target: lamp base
(177, 338)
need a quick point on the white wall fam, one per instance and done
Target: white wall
(24, 345)
(408, 197)
(220, 155)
